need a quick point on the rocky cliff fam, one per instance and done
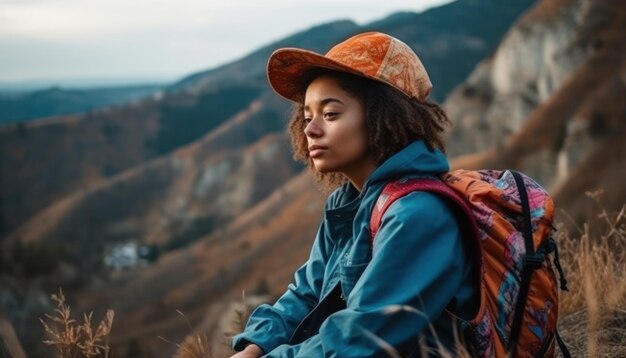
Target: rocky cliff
(550, 102)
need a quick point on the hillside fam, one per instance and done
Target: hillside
(19, 107)
(239, 257)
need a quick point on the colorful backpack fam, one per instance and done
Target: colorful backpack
(510, 217)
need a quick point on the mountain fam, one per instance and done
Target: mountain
(100, 144)
(54, 101)
(203, 173)
(450, 40)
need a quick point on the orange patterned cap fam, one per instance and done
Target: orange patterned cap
(372, 55)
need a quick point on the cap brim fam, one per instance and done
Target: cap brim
(287, 70)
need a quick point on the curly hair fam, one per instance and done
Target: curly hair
(392, 121)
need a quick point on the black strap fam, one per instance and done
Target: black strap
(531, 262)
(557, 263)
(528, 229)
(562, 346)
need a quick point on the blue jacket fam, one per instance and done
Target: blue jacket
(351, 297)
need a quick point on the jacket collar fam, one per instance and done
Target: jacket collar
(414, 159)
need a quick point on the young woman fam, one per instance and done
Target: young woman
(362, 118)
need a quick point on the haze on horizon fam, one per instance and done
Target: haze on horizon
(53, 40)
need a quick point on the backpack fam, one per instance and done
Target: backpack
(509, 217)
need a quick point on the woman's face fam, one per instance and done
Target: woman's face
(335, 130)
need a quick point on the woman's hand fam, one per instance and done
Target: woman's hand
(251, 351)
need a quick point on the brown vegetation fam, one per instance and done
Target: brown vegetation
(72, 339)
(593, 312)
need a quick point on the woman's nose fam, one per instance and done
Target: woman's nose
(312, 129)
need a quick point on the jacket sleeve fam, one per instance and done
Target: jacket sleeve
(272, 325)
(416, 268)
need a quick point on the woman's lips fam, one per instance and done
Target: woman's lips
(316, 151)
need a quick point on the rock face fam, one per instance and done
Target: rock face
(550, 102)
(535, 58)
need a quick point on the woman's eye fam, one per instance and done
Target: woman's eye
(307, 119)
(330, 115)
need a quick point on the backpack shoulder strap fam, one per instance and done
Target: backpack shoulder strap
(396, 189)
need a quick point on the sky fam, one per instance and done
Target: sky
(158, 39)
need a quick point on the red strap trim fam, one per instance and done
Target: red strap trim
(399, 188)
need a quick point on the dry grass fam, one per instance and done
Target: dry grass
(593, 312)
(239, 320)
(73, 339)
(193, 346)
(199, 345)
(460, 349)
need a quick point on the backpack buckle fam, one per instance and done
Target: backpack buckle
(533, 261)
